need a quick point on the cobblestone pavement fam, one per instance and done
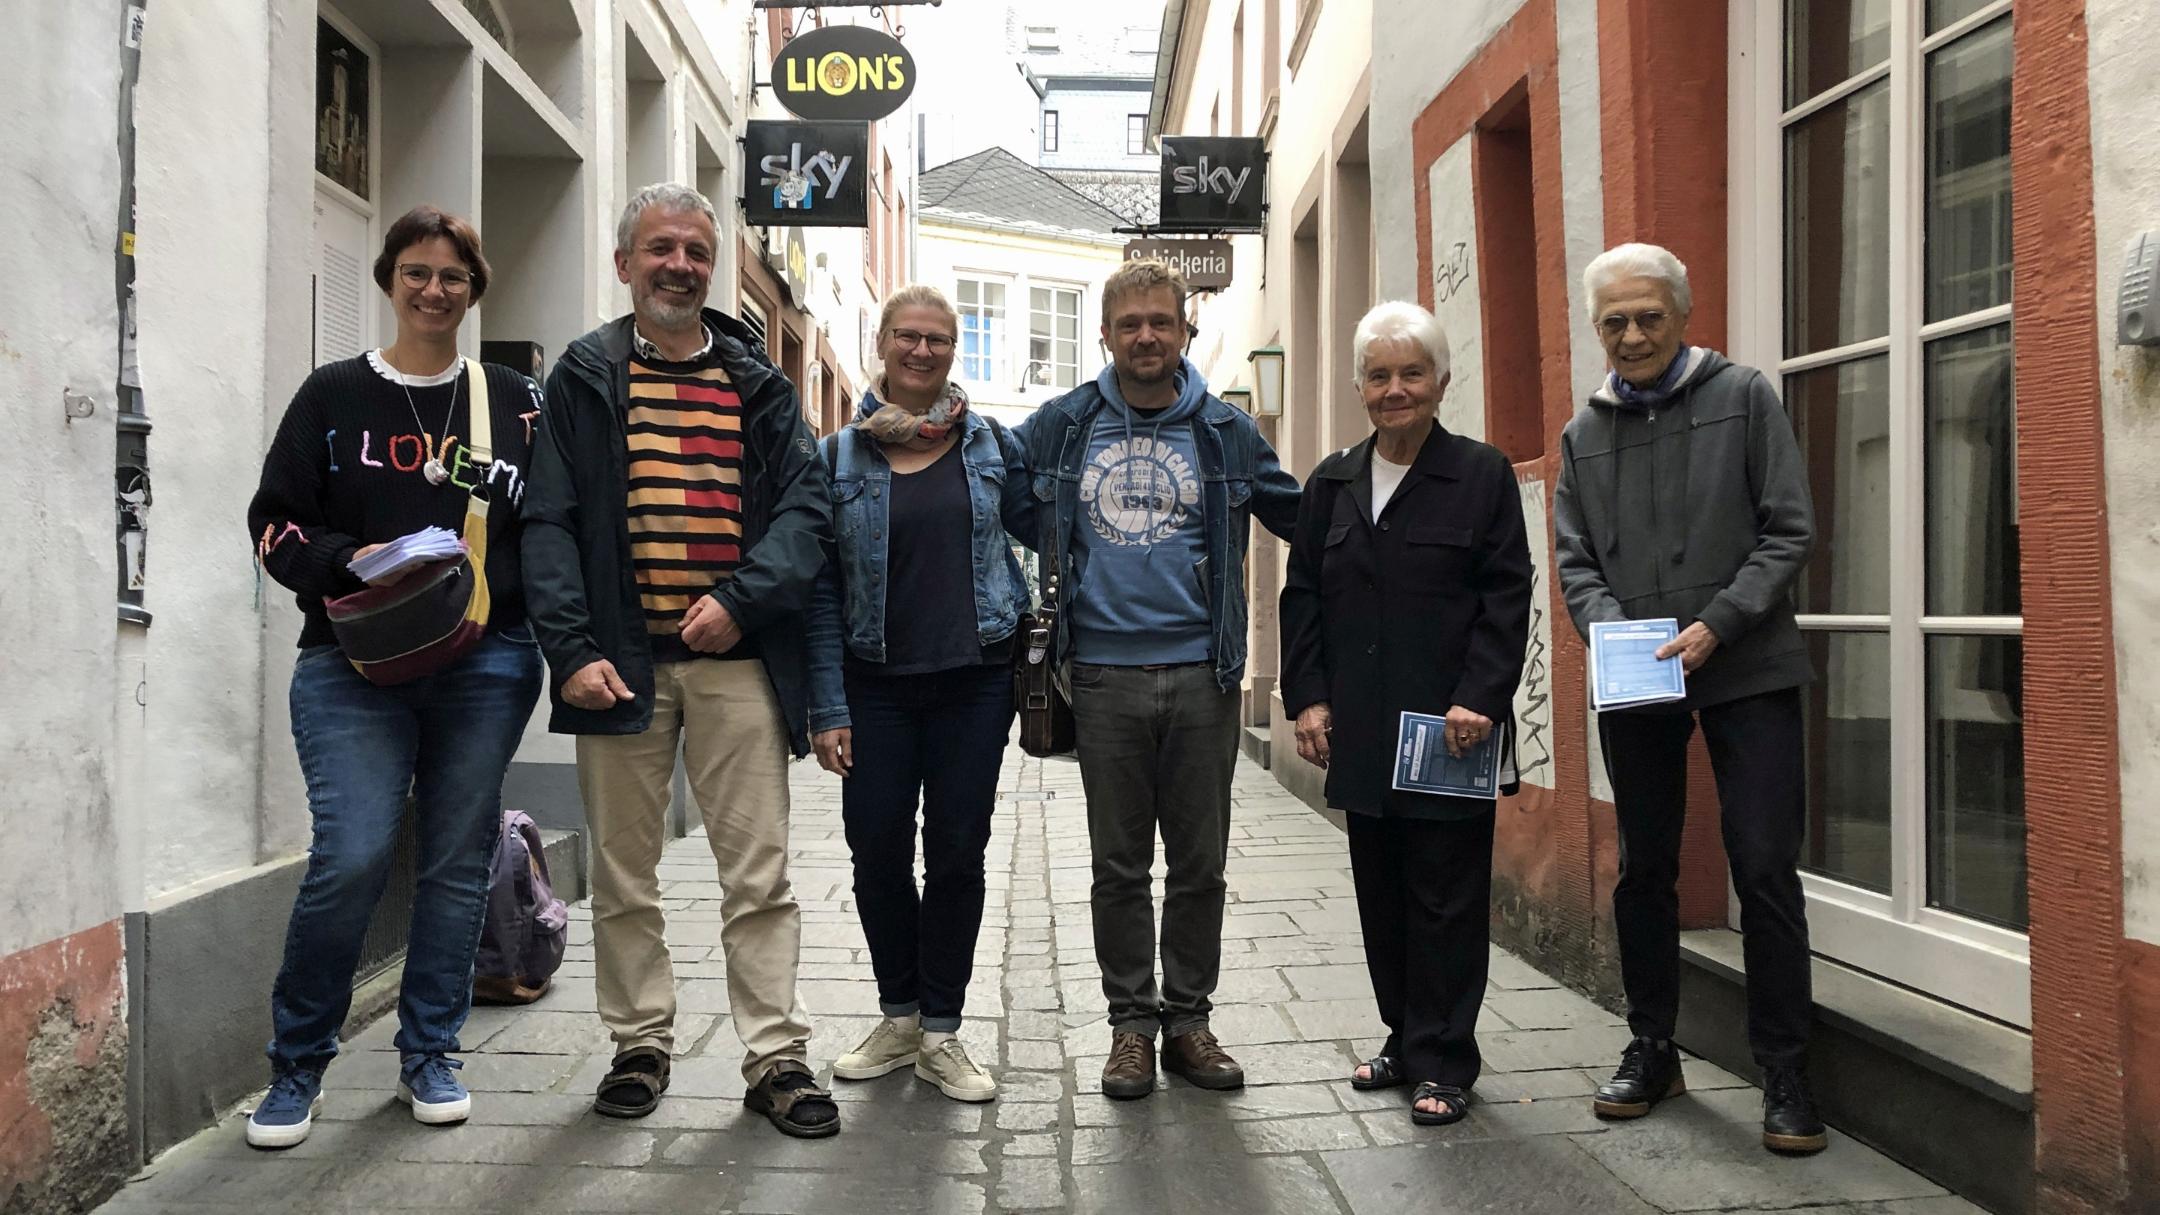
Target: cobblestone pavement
(1294, 1006)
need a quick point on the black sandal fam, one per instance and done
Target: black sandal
(1386, 1073)
(1454, 1104)
(634, 1082)
(790, 1097)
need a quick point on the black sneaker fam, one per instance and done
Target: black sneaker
(1649, 1072)
(1789, 1121)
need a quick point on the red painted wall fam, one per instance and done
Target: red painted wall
(63, 1058)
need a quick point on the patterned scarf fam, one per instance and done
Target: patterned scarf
(901, 425)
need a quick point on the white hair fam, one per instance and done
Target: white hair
(1635, 261)
(666, 195)
(1396, 321)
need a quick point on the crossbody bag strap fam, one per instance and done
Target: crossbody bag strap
(480, 457)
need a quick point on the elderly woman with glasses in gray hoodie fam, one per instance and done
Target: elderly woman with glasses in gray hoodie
(1683, 496)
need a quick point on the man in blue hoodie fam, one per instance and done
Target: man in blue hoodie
(1146, 487)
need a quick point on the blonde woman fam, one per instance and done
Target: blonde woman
(910, 637)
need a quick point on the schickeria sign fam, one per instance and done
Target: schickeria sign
(1203, 264)
(1213, 183)
(843, 71)
(808, 174)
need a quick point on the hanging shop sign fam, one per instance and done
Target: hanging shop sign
(1213, 183)
(809, 174)
(1203, 264)
(843, 71)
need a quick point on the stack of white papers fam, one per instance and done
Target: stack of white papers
(405, 552)
(1625, 669)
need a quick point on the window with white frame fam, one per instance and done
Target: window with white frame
(1054, 336)
(1883, 153)
(1136, 134)
(1050, 130)
(981, 303)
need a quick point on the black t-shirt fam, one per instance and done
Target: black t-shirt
(930, 587)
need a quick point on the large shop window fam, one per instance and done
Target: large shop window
(982, 329)
(1883, 146)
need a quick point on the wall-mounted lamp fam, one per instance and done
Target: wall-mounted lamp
(1238, 398)
(1267, 364)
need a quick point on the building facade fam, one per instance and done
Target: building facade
(1023, 258)
(155, 818)
(1300, 80)
(1914, 219)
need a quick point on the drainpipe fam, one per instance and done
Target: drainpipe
(131, 459)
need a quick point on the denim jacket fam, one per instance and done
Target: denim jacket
(1241, 480)
(847, 607)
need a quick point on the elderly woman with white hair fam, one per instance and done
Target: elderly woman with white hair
(1683, 496)
(1409, 592)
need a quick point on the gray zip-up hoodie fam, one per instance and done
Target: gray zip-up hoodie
(1690, 501)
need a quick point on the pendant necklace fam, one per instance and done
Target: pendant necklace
(434, 470)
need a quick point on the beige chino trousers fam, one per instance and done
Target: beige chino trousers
(735, 755)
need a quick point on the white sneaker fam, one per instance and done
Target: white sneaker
(890, 1047)
(947, 1065)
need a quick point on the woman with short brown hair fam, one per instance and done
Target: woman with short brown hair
(373, 448)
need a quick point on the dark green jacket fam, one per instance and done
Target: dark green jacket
(579, 585)
(1695, 508)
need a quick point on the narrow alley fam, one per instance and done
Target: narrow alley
(1294, 1006)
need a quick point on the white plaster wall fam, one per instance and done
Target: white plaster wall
(203, 184)
(1417, 47)
(1582, 205)
(1457, 292)
(946, 251)
(59, 329)
(2124, 46)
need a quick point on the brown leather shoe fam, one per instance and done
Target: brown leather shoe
(1203, 1062)
(1130, 1070)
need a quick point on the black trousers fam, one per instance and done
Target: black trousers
(939, 740)
(1756, 754)
(1422, 891)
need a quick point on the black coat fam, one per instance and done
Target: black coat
(1427, 609)
(580, 590)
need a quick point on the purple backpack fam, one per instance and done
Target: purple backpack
(522, 941)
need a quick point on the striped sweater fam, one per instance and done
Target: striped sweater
(684, 428)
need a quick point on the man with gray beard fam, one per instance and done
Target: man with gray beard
(676, 518)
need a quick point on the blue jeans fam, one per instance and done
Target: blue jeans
(446, 739)
(939, 738)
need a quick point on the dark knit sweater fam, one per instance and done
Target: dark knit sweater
(345, 471)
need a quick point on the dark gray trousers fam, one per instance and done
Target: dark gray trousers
(1157, 749)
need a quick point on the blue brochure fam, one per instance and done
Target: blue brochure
(1423, 765)
(1625, 669)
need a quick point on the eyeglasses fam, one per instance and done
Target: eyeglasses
(1651, 322)
(909, 339)
(416, 276)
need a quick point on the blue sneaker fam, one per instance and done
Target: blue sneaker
(287, 1111)
(425, 1083)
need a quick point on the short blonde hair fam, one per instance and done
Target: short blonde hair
(1397, 321)
(915, 295)
(1139, 277)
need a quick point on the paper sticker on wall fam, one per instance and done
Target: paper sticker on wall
(1455, 289)
(1533, 696)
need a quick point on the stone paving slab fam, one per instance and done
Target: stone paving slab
(1294, 1005)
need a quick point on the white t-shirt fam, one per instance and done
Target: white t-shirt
(1386, 478)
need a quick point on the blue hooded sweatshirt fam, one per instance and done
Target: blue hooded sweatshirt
(1140, 543)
